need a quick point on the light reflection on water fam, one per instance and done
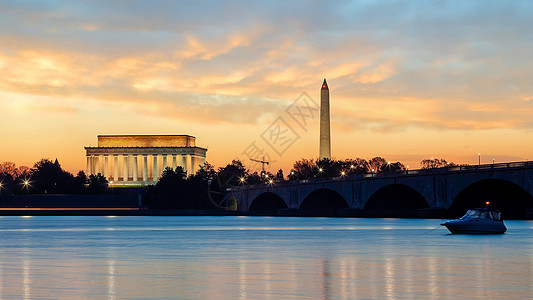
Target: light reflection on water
(261, 258)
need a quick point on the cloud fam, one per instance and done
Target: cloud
(390, 64)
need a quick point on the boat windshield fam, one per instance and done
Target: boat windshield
(479, 214)
(496, 215)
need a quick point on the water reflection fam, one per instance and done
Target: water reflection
(338, 259)
(242, 280)
(27, 279)
(111, 279)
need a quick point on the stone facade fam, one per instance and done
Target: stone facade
(146, 141)
(133, 160)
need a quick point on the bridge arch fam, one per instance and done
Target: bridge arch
(322, 202)
(267, 203)
(502, 194)
(395, 200)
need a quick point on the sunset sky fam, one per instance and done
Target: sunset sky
(408, 79)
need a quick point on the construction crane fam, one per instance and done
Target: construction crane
(263, 163)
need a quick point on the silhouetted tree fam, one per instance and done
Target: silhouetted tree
(6, 183)
(170, 190)
(394, 167)
(48, 177)
(232, 173)
(304, 169)
(198, 189)
(376, 164)
(81, 181)
(435, 163)
(9, 168)
(355, 166)
(206, 172)
(328, 168)
(97, 184)
(254, 178)
(279, 175)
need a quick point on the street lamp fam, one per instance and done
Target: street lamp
(26, 185)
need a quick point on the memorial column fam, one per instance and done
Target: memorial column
(184, 163)
(125, 175)
(190, 162)
(145, 167)
(101, 165)
(156, 174)
(88, 170)
(96, 164)
(135, 168)
(106, 167)
(115, 167)
(174, 162)
(202, 161)
(164, 162)
(93, 165)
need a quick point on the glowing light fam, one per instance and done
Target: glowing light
(388, 163)
(352, 166)
(343, 173)
(320, 170)
(242, 179)
(487, 203)
(270, 181)
(292, 173)
(26, 182)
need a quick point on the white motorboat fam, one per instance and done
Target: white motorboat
(477, 221)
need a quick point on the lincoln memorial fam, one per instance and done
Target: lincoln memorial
(133, 160)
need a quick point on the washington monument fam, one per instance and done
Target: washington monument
(325, 140)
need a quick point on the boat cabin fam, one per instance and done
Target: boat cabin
(482, 213)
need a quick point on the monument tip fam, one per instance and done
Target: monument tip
(325, 85)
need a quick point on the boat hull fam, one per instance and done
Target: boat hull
(475, 227)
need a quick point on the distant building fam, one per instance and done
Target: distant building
(132, 160)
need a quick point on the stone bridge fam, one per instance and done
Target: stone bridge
(442, 192)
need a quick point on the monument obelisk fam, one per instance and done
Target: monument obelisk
(325, 140)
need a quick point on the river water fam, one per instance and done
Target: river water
(53, 257)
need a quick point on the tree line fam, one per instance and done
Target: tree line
(176, 189)
(47, 177)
